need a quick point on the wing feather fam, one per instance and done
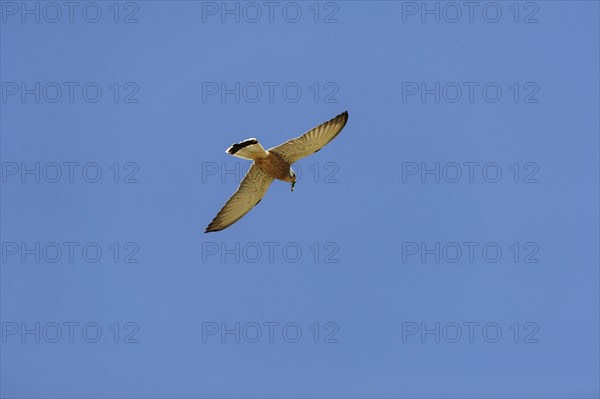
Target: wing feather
(251, 190)
(311, 141)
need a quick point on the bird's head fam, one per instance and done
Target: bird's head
(293, 178)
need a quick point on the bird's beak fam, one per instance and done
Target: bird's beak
(293, 184)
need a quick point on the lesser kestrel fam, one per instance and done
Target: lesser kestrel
(274, 163)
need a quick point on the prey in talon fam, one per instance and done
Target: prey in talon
(271, 164)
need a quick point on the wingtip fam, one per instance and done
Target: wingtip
(344, 115)
(211, 229)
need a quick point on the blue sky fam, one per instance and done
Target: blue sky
(445, 244)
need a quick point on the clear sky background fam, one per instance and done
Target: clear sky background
(361, 259)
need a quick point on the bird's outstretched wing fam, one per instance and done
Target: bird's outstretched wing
(311, 141)
(251, 190)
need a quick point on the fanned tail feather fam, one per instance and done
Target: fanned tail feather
(247, 149)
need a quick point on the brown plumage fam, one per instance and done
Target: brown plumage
(269, 165)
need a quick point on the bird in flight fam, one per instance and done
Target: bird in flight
(274, 163)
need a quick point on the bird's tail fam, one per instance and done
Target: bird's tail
(247, 149)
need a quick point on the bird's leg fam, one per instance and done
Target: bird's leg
(293, 184)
